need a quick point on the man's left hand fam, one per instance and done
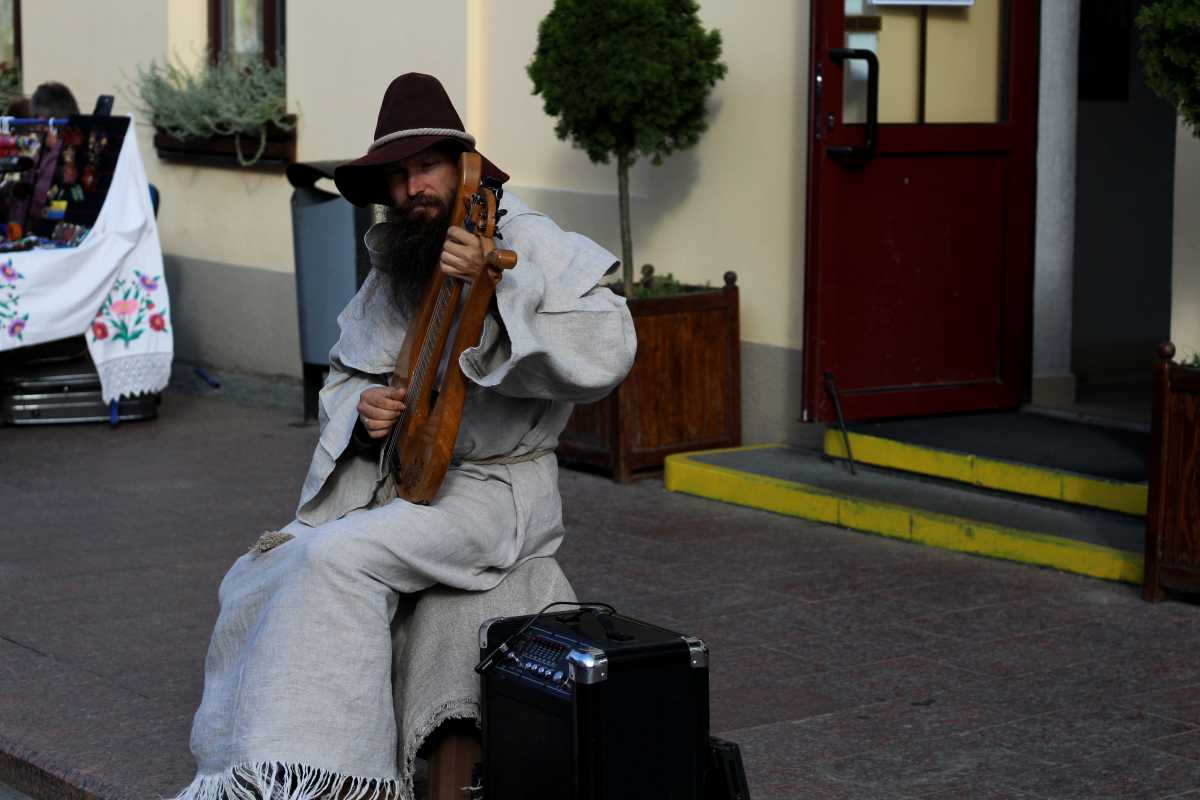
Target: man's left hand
(462, 255)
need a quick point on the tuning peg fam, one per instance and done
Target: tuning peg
(501, 212)
(497, 235)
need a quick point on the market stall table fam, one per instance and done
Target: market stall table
(110, 287)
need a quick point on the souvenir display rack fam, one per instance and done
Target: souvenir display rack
(54, 177)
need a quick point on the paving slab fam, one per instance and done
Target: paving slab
(845, 665)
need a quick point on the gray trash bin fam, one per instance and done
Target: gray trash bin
(331, 263)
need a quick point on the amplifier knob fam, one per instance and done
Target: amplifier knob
(558, 676)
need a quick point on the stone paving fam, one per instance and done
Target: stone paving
(846, 666)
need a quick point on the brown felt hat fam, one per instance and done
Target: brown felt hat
(416, 113)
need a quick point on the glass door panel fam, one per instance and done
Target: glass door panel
(938, 64)
(964, 63)
(893, 34)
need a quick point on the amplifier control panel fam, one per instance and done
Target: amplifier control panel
(541, 658)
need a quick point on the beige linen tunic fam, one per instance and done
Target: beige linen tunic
(303, 679)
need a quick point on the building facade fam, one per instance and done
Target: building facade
(742, 200)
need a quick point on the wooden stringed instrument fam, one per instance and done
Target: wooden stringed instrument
(417, 451)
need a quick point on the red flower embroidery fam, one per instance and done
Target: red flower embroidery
(99, 330)
(157, 322)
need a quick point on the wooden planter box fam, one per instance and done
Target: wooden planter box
(1173, 514)
(684, 392)
(221, 151)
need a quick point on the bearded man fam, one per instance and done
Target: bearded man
(308, 692)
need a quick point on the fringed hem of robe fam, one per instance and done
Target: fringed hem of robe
(275, 780)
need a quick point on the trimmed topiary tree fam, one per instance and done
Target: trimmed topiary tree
(1170, 52)
(626, 78)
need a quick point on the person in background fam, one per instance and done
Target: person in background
(53, 100)
(50, 100)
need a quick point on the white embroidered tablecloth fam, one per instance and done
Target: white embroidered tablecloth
(110, 288)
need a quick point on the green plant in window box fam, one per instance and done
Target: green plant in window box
(242, 98)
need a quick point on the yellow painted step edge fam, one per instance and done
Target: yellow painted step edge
(989, 473)
(684, 474)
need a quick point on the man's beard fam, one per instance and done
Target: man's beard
(411, 249)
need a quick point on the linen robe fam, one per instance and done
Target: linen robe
(324, 673)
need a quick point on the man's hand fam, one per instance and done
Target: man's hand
(462, 255)
(379, 408)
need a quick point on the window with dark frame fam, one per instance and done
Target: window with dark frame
(246, 29)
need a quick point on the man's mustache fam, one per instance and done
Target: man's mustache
(421, 201)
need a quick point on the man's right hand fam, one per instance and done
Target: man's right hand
(379, 408)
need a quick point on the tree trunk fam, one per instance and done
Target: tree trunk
(623, 162)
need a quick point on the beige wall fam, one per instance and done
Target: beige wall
(339, 65)
(1185, 262)
(96, 50)
(736, 201)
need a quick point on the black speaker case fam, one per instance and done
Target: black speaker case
(629, 722)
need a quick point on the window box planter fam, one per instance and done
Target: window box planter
(221, 151)
(683, 393)
(1173, 513)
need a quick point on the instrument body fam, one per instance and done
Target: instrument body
(418, 450)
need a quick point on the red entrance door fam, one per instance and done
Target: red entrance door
(921, 206)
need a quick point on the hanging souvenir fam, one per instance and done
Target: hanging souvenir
(88, 178)
(77, 192)
(69, 171)
(66, 234)
(30, 144)
(55, 210)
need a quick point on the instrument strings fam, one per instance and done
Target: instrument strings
(426, 356)
(424, 359)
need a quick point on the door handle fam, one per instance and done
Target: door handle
(866, 152)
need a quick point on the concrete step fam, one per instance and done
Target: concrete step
(1020, 453)
(932, 511)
